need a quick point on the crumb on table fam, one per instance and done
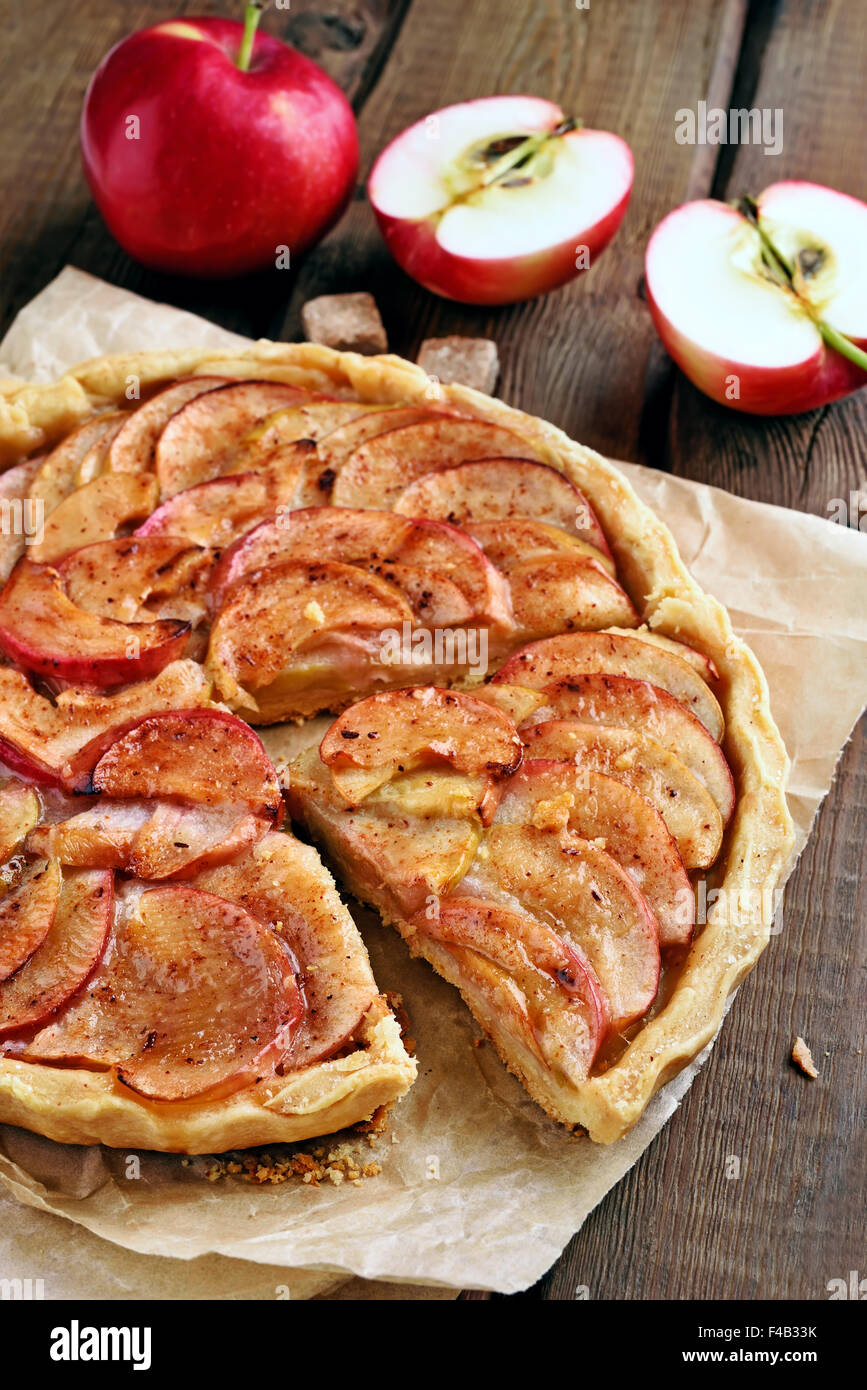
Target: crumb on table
(803, 1058)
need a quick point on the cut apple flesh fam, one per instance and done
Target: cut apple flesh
(149, 838)
(376, 473)
(279, 881)
(26, 915)
(68, 954)
(273, 613)
(590, 653)
(204, 756)
(199, 440)
(588, 899)
(561, 796)
(95, 512)
(132, 448)
(46, 633)
(194, 996)
(502, 489)
(395, 860)
(645, 709)
(380, 541)
(739, 335)
(138, 578)
(399, 730)
(19, 812)
(216, 512)
(512, 541)
(40, 736)
(684, 802)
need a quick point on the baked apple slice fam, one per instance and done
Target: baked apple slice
(19, 812)
(69, 952)
(395, 859)
(697, 660)
(377, 472)
(44, 632)
(565, 591)
(200, 439)
(396, 731)
(563, 1002)
(23, 516)
(58, 475)
(151, 839)
(216, 512)
(502, 489)
(647, 709)
(138, 578)
(560, 796)
(515, 540)
(194, 1000)
(133, 447)
(404, 552)
(204, 756)
(336, 446)
(588, 899)
(293, 423)
(296, 637)
(40, 735)
(27, 914)
(95, 512)
(280, 882)
(684, 802)
(601, 653)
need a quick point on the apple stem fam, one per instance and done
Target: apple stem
(252, 15)
(835, 339)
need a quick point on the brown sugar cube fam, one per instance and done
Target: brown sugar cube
(349, 322)
(465, 361)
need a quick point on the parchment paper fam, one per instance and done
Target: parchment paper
(478, 1188)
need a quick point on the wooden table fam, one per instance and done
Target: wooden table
(586, 358)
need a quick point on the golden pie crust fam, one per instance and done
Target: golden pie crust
(85, 1107)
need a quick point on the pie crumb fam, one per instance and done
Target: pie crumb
(803, 1058)
(314, 614)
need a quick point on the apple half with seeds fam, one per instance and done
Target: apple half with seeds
(499, 199)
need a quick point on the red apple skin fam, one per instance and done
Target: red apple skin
(229, 165)
(790, 390)
(506, 280)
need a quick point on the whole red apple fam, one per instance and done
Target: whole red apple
(207, 154)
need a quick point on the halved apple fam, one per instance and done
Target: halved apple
(512, 541)
(646, 709)
(95, 512)
(389, 545)
(279, 881)
(276, 613)
(395, 859)
(590, 653)
(217, 512)
(206, 756)
(684, 802)
(377, 472)
(763, 306)
(40, 735)
(46, 633)
(199, 440)
(498, 199)
(399, 730)
(561, 796)
(565, 591)
(132, 448)
(149, 838)
(589, 900)
(19, 812)
(501, 489)
(565, 1007)
(27, 913)
(195, 999)
(68, 954)
(138, 578)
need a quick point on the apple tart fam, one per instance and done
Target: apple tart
(494, 696)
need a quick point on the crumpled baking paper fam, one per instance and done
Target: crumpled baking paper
(478, 1188)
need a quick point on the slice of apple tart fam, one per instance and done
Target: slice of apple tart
(547, 737)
